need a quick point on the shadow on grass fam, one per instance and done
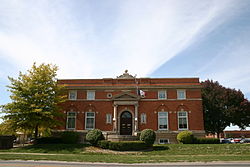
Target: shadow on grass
(53, 148)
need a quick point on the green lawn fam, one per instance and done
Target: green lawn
(161, 153)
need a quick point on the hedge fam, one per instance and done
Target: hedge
(6, 142)
(103, 144)
(128, 145)
(48, 140)
(66, 137)
(70, 137)
(206, 141)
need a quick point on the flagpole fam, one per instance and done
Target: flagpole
(136, 84)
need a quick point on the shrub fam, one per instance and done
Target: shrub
(148, 136)
(48, 140)
(103, 144)
(93, 136)
(70, 137)
(128, 145)
(206, 141)
(185, 137)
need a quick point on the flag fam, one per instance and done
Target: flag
(141, 93)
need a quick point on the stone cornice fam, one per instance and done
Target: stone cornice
(133, 87)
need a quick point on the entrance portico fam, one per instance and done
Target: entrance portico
(125, 116)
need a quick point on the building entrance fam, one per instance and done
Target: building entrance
(126, 123)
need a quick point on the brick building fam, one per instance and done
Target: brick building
(122, 107)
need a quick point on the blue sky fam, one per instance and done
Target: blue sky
(102, 38)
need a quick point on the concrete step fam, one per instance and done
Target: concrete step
(122, 138)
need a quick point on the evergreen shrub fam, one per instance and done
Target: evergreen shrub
(93, 136)
(185, 137)
(148, 136)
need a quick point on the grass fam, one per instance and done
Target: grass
(161, 153)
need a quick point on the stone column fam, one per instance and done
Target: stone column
(136, 117)
(115, 118)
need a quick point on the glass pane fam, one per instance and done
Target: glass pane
(182, 123)
(90, 114)
(71, 114)
(162, 94)
(108, 118)
(89, 123)
(181, 94)
(72, 95)
(182, 113)
(126, 115)
(162, 123)
(143, 118)
(71, 123)
(162, 114)
(90, 95)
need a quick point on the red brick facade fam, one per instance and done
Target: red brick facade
(112, 97)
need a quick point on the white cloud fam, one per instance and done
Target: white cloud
(145, 34)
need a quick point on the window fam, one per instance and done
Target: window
(181, 94)
(90, 120)
(109, 95)
(182, 120)
(71, 120)
(108, 118)
(162, 120)
(91, 95)
(143, 118)
(162, 94)
(72, 94)
(163, 141)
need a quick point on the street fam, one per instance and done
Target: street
(19, 163)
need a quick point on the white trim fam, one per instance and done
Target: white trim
(72, 91)
(182, 117)
(181, 90)
(162, 91)
(159, 141)
(162, 117)
(86, 121)
(70, 117)
(88, 97)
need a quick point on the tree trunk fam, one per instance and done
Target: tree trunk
(36, 131)
(218, 135)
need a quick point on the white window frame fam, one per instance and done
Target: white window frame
(86, 117)
(159, 141)
(164, 92)
(90, 97)
(143, 118)
(186, 116)
(162, 117)
(181, 90)
(108, 118)
(67, 121)
(74, 92)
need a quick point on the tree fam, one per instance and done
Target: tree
(222, 106)
(35, 97)
(241, 117)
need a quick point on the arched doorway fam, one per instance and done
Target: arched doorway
(126, 123)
